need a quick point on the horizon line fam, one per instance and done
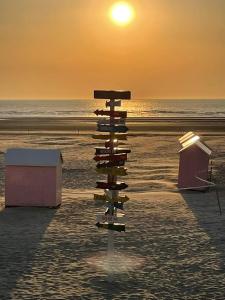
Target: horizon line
(84, 99)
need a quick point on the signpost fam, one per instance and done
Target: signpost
(112, 122)
(111, 226)
(111, 113)
(112, 128)
(104, 121)
(103, 150)
(105, 198)
(111, 185)
(111, 157)
(116, 171)
(111, 164)
(118, 136)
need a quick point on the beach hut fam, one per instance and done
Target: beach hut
(194, 163)
(33, 177)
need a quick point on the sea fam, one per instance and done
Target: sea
(136, 108)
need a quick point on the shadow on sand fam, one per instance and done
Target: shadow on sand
(205, 208)
(21, 232)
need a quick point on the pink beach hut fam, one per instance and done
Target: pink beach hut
(194, 163)
(33, 177)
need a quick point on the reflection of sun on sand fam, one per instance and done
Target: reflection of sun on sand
(116, 263)
(173, 248)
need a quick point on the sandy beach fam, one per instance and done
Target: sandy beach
(74, 77)
(174, 245)
(74, 125)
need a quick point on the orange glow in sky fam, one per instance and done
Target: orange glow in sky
(66, 49)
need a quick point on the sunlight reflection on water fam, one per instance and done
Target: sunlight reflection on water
(135, 108)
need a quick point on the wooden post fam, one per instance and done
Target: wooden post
(115, 161)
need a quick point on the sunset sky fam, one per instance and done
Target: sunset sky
(64, 49)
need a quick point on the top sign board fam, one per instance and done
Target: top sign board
(101, 94)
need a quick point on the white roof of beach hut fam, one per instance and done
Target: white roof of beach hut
(186, 137)
(33, 157)
(195, 140)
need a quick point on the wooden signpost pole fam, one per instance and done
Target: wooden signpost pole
(115, 159)
(112, 179)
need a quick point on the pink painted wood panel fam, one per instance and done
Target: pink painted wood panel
(59, 182)
(193, 163)
(31, 186)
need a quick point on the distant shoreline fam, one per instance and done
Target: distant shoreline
(88, 124)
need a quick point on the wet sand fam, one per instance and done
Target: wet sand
(84, 124)
(173, 248)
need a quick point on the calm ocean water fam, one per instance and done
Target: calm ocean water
(136, 108)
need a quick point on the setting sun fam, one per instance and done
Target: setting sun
(122, 13)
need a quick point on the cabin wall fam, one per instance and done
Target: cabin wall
(30, 186)
(193, 162)
(59, 184)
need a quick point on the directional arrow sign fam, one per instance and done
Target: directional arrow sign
(98, 197)
(112, 157)
(114, 226)
(118, 136)
(112, 128)
(104, 198)
(121, 150)
(122, 199)
(102, 94)
(115, 171)
(111, 186)
(118, 157)
(100, 136)
(104, 121)
(102, 150)
(102, 112)
(111, 164)
(115, 114)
